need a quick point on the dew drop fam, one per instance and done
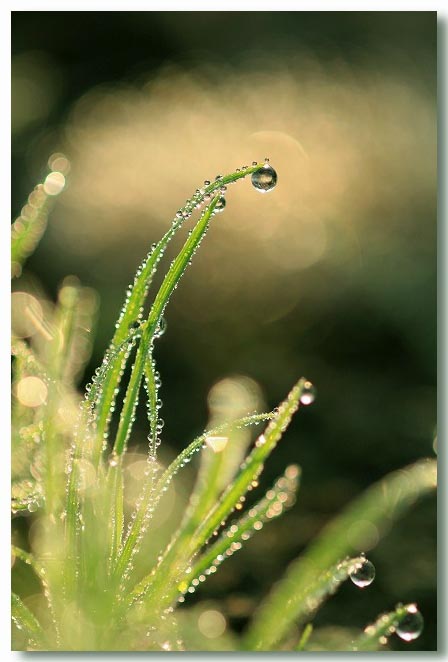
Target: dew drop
(221, 203)
(161, 328)
(308, 393)
(264, 179)
(363, 574)
(411, 626)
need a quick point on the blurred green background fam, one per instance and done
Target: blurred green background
(331, 276)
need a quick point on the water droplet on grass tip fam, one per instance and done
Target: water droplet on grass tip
(411, 626)
(264, 179)
(308, 393)
(363, 574)
(221, 203)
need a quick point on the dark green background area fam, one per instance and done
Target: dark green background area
(370, 350)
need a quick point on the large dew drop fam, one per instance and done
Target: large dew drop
(363, 575)
(264, 179)
(411, 626)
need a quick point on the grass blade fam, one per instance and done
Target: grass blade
(141, 513)
(379, 505)
(115, 513)
(26, 621)
(27, 230)
(131, 312)
(375, 636)
(41, 573)
(304, 637)
(280, 497)
(144, 351)
(179, 554)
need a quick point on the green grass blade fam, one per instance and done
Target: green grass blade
(71, 314)
(304, 637)
(303, 601)
(26, 621)
(185, 456)
(379, 506)
(217, 468)
(144, 351)
(27, 230)
(115, 514)
(136, 296)
(41, 573)
(142, 515)
(30, 560)
(280, 497)
(376, 635)
(151, 387)
(179, 554)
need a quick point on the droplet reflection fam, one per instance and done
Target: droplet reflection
(363, 574)
(264, 179)
(411, 626)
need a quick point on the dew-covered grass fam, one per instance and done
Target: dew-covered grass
(69, 461)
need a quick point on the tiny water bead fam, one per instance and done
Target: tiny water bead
(161, 328)
(221, 203)
(308, 393)
(264, 179)
(411, 626)
(363, 573)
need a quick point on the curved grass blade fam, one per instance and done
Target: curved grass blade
(304, 637)
(131, 312)
(175, 272)
(181, 551)
(277, 499)
(376, 635)
(26, 621)
(379, 506)
(141, 514)
(29, 559)
(185, 456)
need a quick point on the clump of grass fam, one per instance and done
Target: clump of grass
(69, 465)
